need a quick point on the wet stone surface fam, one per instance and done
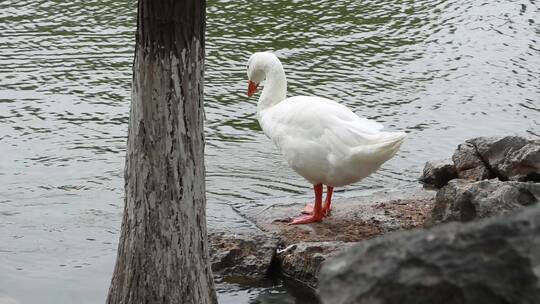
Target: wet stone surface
(303, 248)
(438, 173)
(241, 257)
(352, 219)
(302, 261)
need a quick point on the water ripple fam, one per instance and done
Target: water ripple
(443, 71)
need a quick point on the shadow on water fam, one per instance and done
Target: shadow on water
(443, 71)
(276, 291)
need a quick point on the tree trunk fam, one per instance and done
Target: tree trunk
(163, 254)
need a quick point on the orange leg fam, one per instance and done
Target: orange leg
(308, 209)
(327, 209)
(317, 214)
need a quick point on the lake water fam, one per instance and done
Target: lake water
(443, 71)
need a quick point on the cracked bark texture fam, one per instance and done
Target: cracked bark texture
(163, 254)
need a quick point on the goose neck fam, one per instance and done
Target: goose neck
(275, 88)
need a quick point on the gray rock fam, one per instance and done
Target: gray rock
(242, 258)
(492, 261)
(507, 158)
(302, 261)
(464, 201)
(438, 173)
(513, 158)
(468, 163)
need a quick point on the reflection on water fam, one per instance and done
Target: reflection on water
(443, 71)
(266, 293)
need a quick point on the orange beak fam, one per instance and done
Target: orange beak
(252, 87)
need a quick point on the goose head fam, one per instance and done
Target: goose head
(259, 65)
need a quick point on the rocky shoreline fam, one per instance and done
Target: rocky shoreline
(298, 251)
(486, 177)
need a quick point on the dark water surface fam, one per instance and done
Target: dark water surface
(443, 71)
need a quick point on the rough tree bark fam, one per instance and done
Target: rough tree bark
(163, 254)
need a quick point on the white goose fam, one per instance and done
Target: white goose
(321, 140)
